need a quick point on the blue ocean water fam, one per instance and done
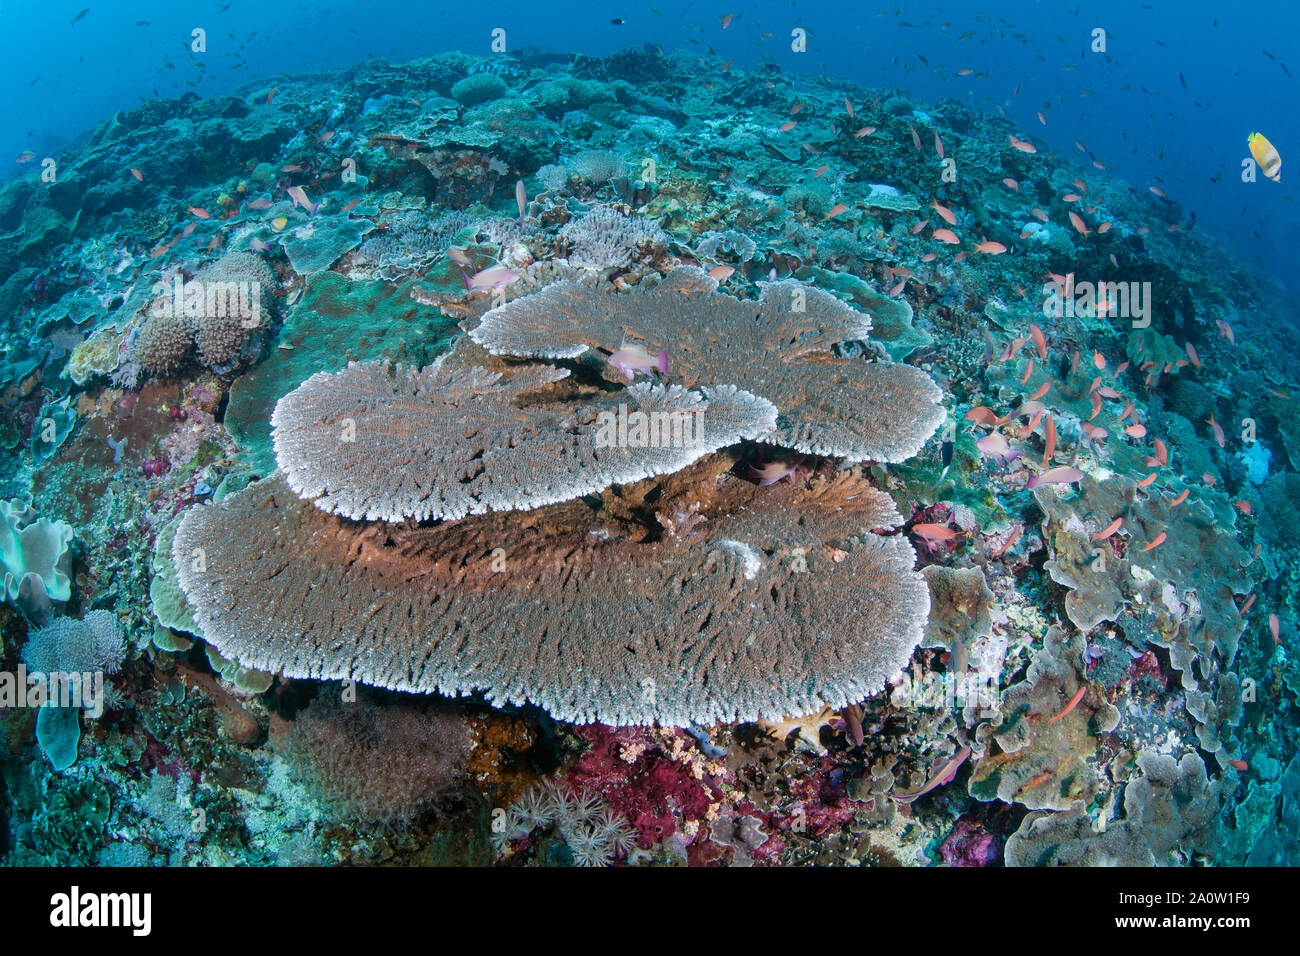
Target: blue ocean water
(1170, 102)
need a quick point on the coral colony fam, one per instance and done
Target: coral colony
(534, 460)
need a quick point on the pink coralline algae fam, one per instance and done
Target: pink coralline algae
(968, 845)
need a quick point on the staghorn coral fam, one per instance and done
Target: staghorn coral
(377, 762)
(550, 606)
(779, 348)
(366, 442)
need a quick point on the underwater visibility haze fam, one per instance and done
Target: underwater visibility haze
(768, 434)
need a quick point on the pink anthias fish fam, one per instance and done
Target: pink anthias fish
(299, 197)
(942, 776)
(493, 277)
(521, 198)
(996, 446)
(774, 471)
(631, 360)
(1063, 475)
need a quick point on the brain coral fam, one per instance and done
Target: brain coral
(783, 603)
(780, 348)
(366, 443)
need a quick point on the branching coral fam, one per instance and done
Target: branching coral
(780, 348)
(377, 442)
(606, 239)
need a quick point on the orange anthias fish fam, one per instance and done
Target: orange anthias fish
(1040, 340)
(946, 235)
(786, 127)
(1274, 628)
(1218, 431)
(938, 144)
(1077, 221)
(991, 248)
(1039, 214)
(1074, 702)
(299, 197)
(865, 131)
(200, 213)
(1109, 530)
(1180, 497)
(1157, 541)
(137, 174)
(1023, 146)
(933, 534)
(982, 415)
(1012, 538)
(1062, 475)
(837, 210)
(1225, 331)
(916, 137)
(1011, 184)
(947, 214)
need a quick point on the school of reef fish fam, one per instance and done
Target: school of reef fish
(944, 578)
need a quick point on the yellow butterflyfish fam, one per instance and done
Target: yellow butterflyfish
(1270, 163)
